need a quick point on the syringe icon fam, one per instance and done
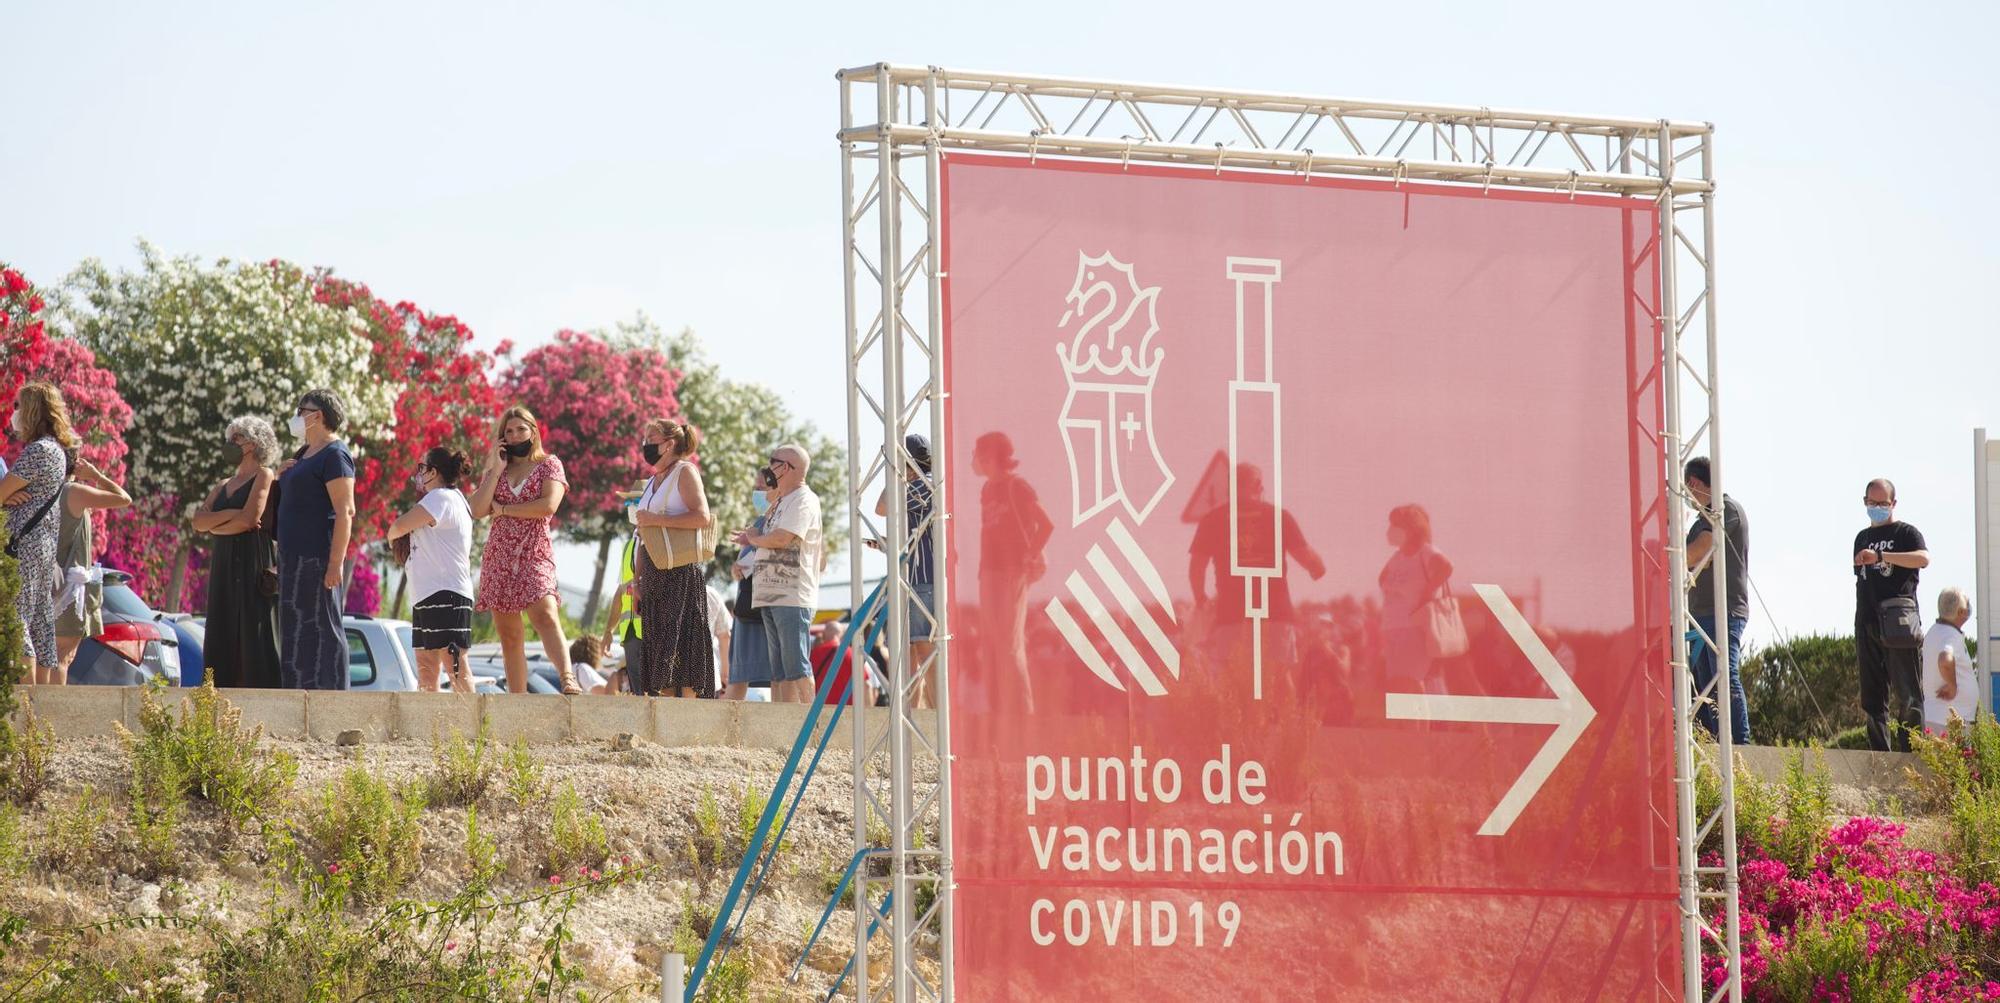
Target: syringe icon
(1254, 439)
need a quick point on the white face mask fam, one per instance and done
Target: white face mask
(298, 426)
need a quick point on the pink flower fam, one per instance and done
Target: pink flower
(555, 879)
(451, 945)
(333, 868)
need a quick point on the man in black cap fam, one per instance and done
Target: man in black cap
(921, 572)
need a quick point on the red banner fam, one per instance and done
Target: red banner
(1307, 590)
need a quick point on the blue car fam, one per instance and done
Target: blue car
(135, 645)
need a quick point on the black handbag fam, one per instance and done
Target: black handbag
(743, 608)
(1901, 622)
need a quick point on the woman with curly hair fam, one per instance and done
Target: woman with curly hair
(29, 492)
(242, 645)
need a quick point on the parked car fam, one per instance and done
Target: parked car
(135, 647)
(192, 632)
(381, 655)
(486, 665)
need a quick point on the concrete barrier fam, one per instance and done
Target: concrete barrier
(294, 715)
(1881, 772)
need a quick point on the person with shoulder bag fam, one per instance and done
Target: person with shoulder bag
(29, 491)
(1888, 625)
(749, 653)
(676, 534)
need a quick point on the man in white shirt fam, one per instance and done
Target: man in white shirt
(1949, 686)
(786, 587)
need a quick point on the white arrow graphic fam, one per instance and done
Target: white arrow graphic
(1567, 710)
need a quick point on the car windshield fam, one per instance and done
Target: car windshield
(407, 635)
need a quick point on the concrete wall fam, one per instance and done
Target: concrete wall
(86, 711)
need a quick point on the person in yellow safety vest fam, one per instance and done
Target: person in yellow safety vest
(624, 612)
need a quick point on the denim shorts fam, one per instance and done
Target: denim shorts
(922, 610)
(788, 637)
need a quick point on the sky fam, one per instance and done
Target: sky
(533, 167)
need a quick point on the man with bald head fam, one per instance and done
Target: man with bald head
(785, 585)
(1887, 557)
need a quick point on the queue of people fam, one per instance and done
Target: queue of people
(280, 527)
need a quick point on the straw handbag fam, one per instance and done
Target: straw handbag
(677, 548)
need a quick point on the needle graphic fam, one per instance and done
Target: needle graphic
(1254, 435)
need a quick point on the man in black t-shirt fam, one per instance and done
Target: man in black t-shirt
(1887, 556)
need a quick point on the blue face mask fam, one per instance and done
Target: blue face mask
(760, 501)
(1878, 514)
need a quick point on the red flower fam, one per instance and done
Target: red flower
(34, 304)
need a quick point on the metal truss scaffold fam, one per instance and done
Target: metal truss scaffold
(896, 125)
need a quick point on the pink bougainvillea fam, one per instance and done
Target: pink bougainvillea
(1868, 912)
(99, 415)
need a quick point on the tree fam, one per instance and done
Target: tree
(593, 400)
(740, 423)
(446, 399)
(1802, 689)
(198, 345)
(99, 415)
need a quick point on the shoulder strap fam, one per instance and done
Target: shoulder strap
(43, 512)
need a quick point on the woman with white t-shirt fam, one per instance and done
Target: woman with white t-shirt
(439, 566)
(673, 604)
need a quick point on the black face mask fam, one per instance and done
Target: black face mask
(651, 451)
(770, 478)
(232, 454)
(518, 449)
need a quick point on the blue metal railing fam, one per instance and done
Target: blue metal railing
(727, 917)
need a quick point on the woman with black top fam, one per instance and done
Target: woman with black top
(242, 645)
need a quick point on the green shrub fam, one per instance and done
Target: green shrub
(157, 797)
(482, 852)
(368, 835)
(1803, 691)
(13, 848)
(576, 836)
(206, 754)
(463, 771)
(729, 975)
(706, 844)
(76, 832)
(1855, 738)
(24, 758)
(523, 773)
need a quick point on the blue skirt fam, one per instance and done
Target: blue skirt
(749, 659)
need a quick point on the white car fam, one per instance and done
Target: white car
(381, 656)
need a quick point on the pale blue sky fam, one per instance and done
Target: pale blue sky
(528, 167)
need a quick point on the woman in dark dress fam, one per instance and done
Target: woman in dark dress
(242, 647)
(673, 603)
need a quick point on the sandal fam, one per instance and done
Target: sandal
(569, 686)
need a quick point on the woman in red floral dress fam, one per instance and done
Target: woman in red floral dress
(521, 489)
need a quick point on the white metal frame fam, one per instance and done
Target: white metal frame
(896, 124)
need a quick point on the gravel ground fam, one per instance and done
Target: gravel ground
(647, 795)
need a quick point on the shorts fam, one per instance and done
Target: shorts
(923, 610)
(788, 637)
(442, 621)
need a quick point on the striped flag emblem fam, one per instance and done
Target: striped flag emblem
(1138, 640)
